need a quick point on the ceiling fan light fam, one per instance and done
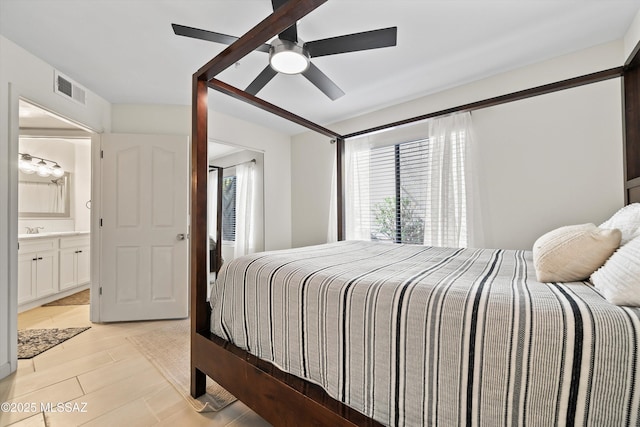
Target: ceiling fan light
(288, 58)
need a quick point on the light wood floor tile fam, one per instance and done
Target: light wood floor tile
(23, 384)
(112, 373)
(165, 402)
(25, 366)
(36, 420)
(124, 351)
(135, 413)
(104, 369)
(249, 418)
(60, 392)
(107, 398)
(68, 351)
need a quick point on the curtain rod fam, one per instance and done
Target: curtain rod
(232, 166)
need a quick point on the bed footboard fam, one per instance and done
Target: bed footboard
(278, 397)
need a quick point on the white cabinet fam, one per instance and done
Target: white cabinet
(37, 269)
(74, 261)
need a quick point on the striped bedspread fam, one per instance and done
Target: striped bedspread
(416, 335)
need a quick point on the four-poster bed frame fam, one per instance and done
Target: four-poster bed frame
(281, 398)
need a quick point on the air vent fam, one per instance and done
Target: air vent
(64, 86)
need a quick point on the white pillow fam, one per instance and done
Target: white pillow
(627, 220)
(573, 252)
(619, 278)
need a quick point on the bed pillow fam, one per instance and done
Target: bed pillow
(573, 252)
(619, 278)
(627, 220)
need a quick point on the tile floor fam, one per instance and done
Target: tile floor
(102, 369)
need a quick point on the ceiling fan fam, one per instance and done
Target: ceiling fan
(289, 55)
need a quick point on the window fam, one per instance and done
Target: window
(397, 197)
(229, 208)
(410, 192)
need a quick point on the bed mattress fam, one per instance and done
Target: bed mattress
(415, 335)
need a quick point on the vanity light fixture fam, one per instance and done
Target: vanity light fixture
(42, 168)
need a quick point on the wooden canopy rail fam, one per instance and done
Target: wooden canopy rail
(281, 398)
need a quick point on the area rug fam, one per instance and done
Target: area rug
(79, 298)
(32, 342)
(168, 348)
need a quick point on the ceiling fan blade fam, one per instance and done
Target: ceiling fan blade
(259, 82)
(374, 39)
(197, 33)
(322, 82)
(290, 33)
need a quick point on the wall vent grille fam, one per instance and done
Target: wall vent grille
(66, 87)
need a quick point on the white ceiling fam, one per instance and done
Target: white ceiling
(126, 52)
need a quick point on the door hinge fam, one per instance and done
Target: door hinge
(100, 222)
(102, 154)
(100, 290)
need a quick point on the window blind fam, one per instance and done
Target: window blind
(412, 192)
(229, 208)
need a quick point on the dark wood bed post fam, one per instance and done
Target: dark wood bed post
(198, 234)
(631, 117)
(340, 189)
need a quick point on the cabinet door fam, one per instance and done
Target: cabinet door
(68, 268)
(26, 278)
(83, 265)
(47, 273)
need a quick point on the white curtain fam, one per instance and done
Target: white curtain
(446, 168)
(212, 203)
(357, 204)
(450, 188)
(245, 209)
(332, 226)
(212, 209)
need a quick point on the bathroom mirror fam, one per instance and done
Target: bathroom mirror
(43, 197)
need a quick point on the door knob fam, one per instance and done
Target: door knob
(180, 236)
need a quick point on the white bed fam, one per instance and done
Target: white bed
(415, 335)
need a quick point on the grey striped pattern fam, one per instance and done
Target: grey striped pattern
(415, 335)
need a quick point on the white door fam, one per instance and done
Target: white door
(144, 216)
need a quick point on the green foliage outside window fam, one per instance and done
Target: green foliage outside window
(411, 224)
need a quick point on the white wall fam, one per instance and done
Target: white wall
(24, 75)
(230, 130)
(549, 161)
(312, 157)
(632, 37)
(520, 144)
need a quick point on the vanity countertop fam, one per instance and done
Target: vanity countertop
(51, 235)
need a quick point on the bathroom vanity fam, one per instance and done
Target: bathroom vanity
(51, 266)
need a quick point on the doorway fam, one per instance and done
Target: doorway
(54, 212)
(242, 193)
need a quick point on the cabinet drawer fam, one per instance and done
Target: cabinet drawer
(38, 245)
(74, 242)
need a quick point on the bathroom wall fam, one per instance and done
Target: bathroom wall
(74, 156)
